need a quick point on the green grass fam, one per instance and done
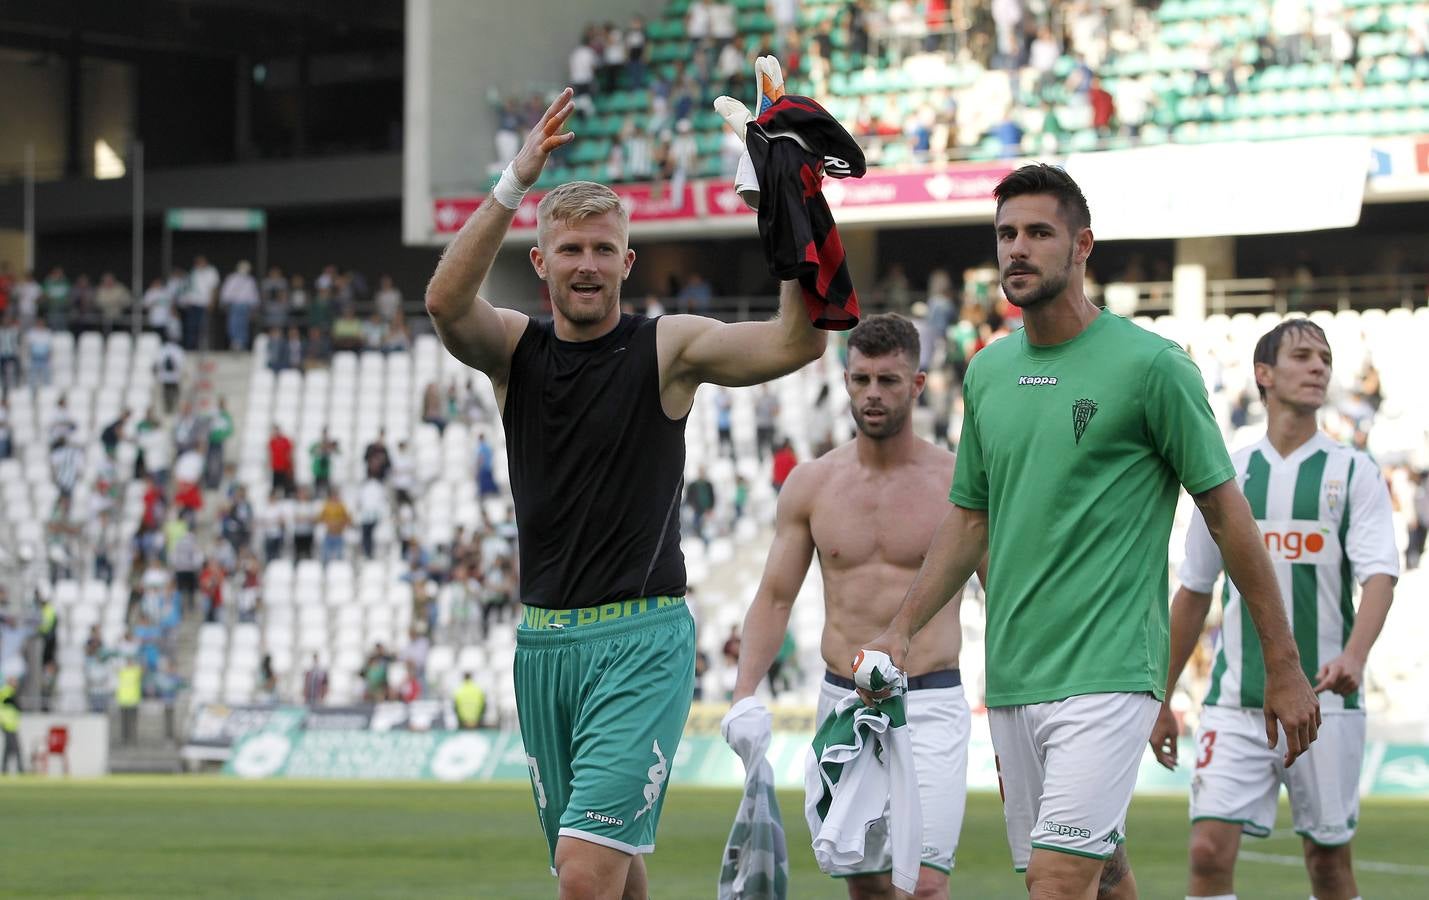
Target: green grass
(206, 837)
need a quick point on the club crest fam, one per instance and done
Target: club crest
(1082, 412)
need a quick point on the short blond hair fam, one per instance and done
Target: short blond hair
(575, 201)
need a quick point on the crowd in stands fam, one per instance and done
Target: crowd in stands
(935, 80)
(199, 543)
(200, 309)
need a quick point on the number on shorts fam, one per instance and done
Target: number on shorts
(1208, 740)
(536, 781)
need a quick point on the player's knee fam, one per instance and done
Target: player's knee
(1059, 880)
(1327, 865)
(870, 887)
(1210, 855)
(584, 878)
(932, 885)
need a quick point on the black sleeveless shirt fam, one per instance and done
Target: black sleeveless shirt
(597, 468)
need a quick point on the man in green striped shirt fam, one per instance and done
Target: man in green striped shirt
(1324, 513)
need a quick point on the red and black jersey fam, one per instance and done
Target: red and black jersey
(801, 240)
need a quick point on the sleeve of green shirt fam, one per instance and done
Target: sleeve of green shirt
(970, 473)
(1181, 426)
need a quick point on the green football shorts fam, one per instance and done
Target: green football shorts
(602, 694)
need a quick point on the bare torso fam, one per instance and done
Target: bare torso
(871, 529)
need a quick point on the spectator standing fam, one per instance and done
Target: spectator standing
(470, 701)
(273, 298)
(305, 523)
(724, 421)
(315, 683)
(280, 461)
(57, 293)
(485, 469)
(220, 429)
(186, 559)
(583, 62)
(211, 585)
(433, 412)
(169, 369)
(273, 525)
(98, 677)
(39, 344)
(9, 352)
(128, 691)
(239, 296)
(25, 296)
(404, 475)
(784, 463)
(766, 412)
(388, 299)
(376, 458)
(700, 498)
(635, 39)
(166, 687)
(320, 455)
(1418, 520)
(371, 510)
(199, 292)
(112, 299)
(614, 55)
(10, 725)
(158, 303)
(335, 520)
(66, 466)
(237, 524)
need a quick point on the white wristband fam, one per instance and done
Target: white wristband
(509, 191)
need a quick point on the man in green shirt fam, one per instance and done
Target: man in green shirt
(1077, 433)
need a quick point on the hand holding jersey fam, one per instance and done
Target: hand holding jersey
(792, 142)
(770, 78)
(748, 728)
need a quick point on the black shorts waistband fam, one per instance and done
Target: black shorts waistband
(943, 678)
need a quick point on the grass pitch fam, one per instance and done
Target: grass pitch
(209, 837)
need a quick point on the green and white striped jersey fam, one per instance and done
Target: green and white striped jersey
(1325, 516)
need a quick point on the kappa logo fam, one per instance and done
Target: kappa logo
(657, 774)
(1065, 830)
(603, 818)
(1082, 412)
(1036, 380)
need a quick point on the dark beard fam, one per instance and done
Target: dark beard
(892, 424)
(1049, 288)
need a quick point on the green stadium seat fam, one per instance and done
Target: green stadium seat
(755, 23)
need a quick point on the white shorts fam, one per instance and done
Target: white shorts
(1237, 778)
(939, 726)
(1067, 769)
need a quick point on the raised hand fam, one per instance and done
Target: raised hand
(544, 138)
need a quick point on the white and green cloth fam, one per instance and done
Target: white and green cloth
(860, 769)
(756, 859)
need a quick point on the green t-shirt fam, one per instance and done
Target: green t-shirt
(1076, 451)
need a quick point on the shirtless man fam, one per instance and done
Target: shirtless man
(869, 507)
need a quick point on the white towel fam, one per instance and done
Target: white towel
(859, 769)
